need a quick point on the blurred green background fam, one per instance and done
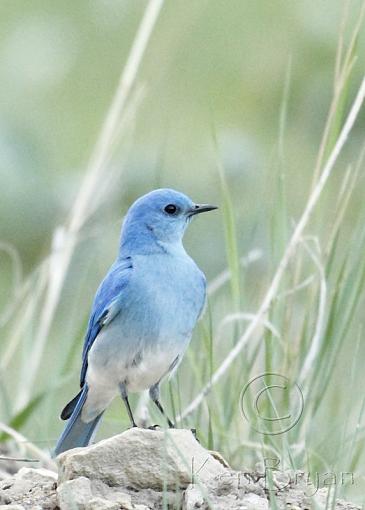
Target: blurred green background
(208, 64)
(258, 77)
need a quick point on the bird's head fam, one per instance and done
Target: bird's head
(162, 216)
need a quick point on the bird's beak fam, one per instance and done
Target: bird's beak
(199, 208)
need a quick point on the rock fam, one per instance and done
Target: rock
(30, 488)
(101, 504)
(127, 472)
(254, 502)
(114, 494)
(81, 494)
(12, 507)
(123, 500)
(37, 475)
(128, 498)
(223, 494)
(74, 494)
(142, 458)
(193, 498)
(149, 498)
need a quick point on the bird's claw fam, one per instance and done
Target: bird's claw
(193, 431)
(154, 427)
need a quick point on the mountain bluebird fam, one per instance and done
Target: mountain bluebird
(143, 313)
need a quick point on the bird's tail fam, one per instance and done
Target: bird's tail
(77, 432)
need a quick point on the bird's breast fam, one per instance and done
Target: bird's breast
(160, 307)
(166, 294)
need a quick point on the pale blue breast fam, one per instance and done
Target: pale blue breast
(160, 306)
(165, 296)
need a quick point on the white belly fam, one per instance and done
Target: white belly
(148, 368)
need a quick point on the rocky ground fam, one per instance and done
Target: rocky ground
(150, 469)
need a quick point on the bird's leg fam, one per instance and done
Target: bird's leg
(154, 394)
(158, 404)
(124, 394)
(129, 410)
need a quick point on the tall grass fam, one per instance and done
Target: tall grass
(293, 307)
(38, 300)
(311, 312)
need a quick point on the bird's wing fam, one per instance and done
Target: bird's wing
(106, 306)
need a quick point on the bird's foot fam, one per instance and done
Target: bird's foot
(193, 431)
(154, 427)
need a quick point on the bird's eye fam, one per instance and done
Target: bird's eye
(170, 209)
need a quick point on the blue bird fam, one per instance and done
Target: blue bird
(143, 313)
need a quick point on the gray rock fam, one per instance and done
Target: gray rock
(193, 498)
(123, 500)
(129, 471)
(254, 502)
(128, 498)
(83, 494)
(37, 475)
(102, 504)
(142, 458)
(30, 488)
(75, 494)
(223, 494)
(12, 507)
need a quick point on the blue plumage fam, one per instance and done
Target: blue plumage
(143, 313)
(106, 305)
